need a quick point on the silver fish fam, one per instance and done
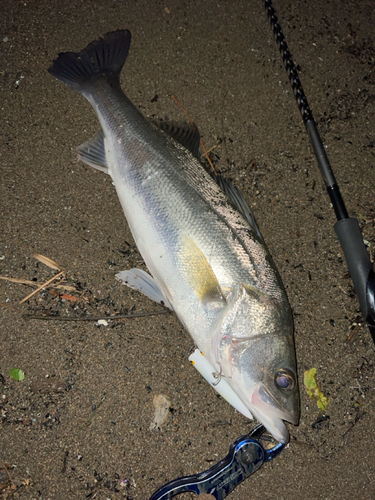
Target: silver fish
(202, 247)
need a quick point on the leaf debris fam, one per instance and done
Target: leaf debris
(313, 390)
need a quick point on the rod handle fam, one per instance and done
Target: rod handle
(359, 264)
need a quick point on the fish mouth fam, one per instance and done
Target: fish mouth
(268, 411)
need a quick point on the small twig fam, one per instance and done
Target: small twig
(211, 149)
(35, 283)
(303, 443)
(345, 435)
(354, 332)
(14, 487)
(5, 305)
(16, 280)
(96, 318)
(69, 297)
(42, 286)
(358, 387)
(341, 288)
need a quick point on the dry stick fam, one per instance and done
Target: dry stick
(5, 305)
(16, 280)
(200, 140)
(42, 286)
(14, 487)
(97, 318)
(34, 283)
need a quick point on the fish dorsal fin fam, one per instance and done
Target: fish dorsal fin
(187, 135)
(198, 272)
(236, 198)
(92, 152)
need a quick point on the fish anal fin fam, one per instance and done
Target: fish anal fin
(92, 152)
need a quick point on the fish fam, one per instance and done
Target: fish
(199, 240)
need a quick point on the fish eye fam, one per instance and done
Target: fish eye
(284, 380)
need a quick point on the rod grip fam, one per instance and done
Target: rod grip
(357, 258)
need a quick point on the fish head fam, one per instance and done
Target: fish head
(253, 348)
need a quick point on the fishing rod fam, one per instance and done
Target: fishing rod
(346, 228)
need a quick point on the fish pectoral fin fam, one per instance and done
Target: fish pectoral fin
(199, 272)
(92, 152)
(137, 279)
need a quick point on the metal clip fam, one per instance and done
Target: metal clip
(245, 456)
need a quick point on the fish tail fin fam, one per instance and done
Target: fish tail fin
(102, 58)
